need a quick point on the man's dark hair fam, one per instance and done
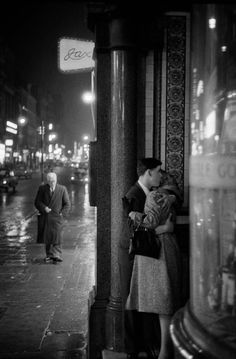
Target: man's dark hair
(147, 163)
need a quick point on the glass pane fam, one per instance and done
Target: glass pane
(213, 169)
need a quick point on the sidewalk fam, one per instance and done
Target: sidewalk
(44, 307)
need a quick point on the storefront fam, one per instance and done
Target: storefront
(207, 325)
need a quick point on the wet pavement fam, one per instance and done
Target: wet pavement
(44, 307)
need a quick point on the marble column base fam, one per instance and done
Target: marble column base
(97, 328)
(191, 340)
(114, 325)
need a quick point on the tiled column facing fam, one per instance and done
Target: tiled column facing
(123, 164)
(175, 105)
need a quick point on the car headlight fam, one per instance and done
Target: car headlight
(4, 181)
(72, 178)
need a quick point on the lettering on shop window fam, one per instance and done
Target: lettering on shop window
(213, 171)
(227, 170)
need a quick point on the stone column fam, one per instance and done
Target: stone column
(123, 158)
(102, 149)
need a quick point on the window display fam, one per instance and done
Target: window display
(213, 171)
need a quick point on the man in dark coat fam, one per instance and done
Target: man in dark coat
(140, 329)
(52, 201)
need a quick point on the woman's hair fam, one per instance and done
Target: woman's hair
(147, 163)
(167, 179)
(169, 184)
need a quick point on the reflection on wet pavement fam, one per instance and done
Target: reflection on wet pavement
(14, 237)
(40, 301)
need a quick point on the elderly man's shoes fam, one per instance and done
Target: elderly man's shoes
(53, 260)
(132, 355)
(57, 259)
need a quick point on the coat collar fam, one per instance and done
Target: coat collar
(48, 187)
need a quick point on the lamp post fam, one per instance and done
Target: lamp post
(52, 146)
(22, 121)
(88, 97)
(42, 132)
(27, 137)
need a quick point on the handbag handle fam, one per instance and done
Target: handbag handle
(139, 226)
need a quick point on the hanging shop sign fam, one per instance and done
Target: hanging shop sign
(75, 55)
(2, 153)
(11, 127)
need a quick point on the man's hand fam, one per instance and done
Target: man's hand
(127, 205)
(47, 209)
(136, 217)
(168, 227)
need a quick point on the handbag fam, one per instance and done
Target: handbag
(144, 242)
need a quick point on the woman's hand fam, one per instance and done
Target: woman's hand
(132, 215)
(127, 204)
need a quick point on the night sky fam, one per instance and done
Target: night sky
(32, 30)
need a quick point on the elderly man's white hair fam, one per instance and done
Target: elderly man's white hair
(51, 175)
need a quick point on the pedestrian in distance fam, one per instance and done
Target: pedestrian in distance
(140, 329)
(53, 203)
(156, 283)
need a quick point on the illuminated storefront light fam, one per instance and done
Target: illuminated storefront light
(212, 23)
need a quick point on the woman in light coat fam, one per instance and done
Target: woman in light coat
(156, 283)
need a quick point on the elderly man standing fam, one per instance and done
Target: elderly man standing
(52, 201)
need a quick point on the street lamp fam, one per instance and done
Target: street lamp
(85, 137)
(52, 137)
(88, 97)
(22, 120)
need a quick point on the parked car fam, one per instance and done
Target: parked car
(8, 179)
(21, 171)
(80, 174)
